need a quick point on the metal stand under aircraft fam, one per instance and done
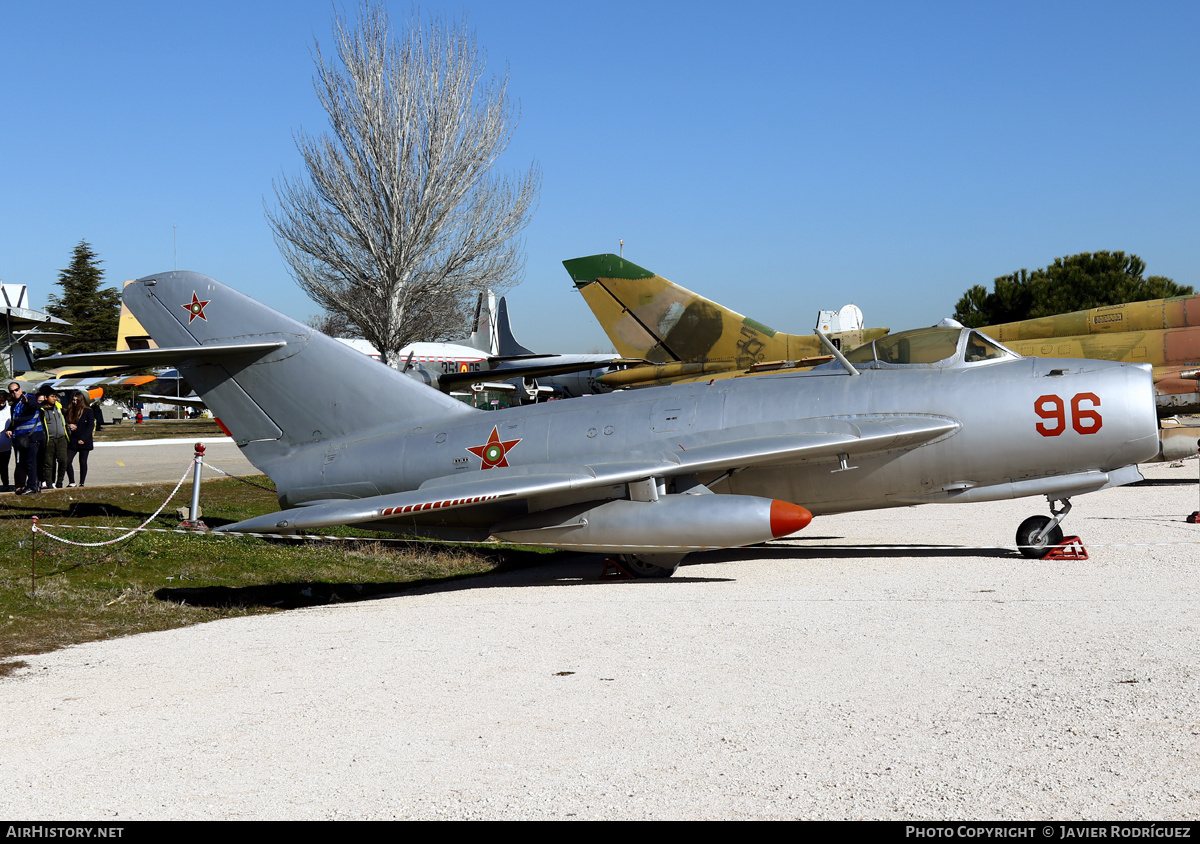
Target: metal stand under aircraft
(1037, 535)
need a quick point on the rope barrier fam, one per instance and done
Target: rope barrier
(38, 529)
(236, 478)
(297, 536)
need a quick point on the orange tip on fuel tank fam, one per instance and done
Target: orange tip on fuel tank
(787, 518)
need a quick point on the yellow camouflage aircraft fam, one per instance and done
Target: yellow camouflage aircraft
(680, 336)
(1164, 333)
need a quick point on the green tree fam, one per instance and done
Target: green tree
(93, 311)
(1072, 283)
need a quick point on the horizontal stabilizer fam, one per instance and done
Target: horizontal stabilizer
(137, 358)
(99, 378)
(35, 335)
(182, 401)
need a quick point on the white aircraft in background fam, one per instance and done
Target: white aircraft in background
(21, 327)
(492, 359)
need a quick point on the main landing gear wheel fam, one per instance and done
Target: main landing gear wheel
(1028, 531)
(649, 565)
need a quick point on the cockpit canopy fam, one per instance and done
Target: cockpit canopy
(940, 347)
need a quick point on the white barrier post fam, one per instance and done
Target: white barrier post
(193, 520)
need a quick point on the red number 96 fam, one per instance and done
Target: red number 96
(1085, 420)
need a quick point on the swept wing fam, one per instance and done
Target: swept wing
(138, 358)
(730, 451)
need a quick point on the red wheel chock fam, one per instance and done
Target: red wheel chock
(1194, 518)
(614, 571)
(1071, 548)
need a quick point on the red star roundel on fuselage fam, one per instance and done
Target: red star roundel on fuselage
(195, 308)
(493, 452)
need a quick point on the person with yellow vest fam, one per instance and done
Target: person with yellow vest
(54, 456)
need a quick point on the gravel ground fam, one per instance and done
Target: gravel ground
(814, 678)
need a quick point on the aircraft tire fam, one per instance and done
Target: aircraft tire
(1029, 528)
(649, 565)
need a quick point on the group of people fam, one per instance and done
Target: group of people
(46, 437)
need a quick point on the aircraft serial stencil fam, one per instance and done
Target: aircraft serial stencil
(942, 414)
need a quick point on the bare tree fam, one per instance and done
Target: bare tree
(334, 324)
(401, 219)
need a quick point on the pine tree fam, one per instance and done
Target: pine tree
(1073, 283)
(92, 311)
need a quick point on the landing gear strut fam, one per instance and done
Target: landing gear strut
(1038, 534)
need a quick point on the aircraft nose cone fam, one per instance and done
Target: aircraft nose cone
(787, 518)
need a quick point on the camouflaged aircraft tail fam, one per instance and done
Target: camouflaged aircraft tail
(648, 317)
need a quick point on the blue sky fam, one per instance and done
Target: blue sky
(776, 157)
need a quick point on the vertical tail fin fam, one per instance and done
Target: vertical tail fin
(20, 357)
(507, 345)
(310, 389)
(130, 333)
(647, 316)
(483, 330)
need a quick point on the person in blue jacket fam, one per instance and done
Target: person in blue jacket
(27, 434)
(5, 443)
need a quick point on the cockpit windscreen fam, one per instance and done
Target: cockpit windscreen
(922, 345)
(929, 346)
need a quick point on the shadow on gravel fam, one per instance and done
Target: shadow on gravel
(843, 552)
(562, 569)
(1163, 519)
(284, 596)
(1165, 482)
(289, 596)
(534, 570)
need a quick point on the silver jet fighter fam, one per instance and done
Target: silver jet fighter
(934, 415)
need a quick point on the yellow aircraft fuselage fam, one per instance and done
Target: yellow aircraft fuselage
(1164, 333)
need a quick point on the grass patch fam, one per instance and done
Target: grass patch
(154, 429)
(158, 581)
